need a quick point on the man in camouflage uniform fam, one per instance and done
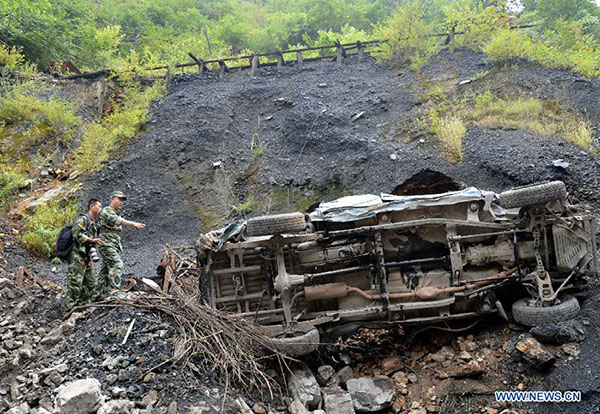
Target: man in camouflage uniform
(110, 227)
(81, 286)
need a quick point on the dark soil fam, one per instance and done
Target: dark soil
(285, 139)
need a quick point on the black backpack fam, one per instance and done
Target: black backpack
(64, 242)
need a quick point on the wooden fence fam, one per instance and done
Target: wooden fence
(342, 51)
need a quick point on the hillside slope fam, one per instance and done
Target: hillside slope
(284, 139)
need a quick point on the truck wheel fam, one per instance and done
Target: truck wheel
(302, 343)
(534, 194)
(276, 224)
(528, 315)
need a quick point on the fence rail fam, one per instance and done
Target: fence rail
(341, 51)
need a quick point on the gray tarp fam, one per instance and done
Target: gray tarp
(365, 206)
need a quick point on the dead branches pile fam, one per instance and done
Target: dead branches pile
(212, 341)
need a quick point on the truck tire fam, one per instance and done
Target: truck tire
(528, 315)
(276, 224)
(534, 194)
(303, 343)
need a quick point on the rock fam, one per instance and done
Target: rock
(465, 356)
(326, 376)
(304, 387)
(79, 397)
(559, 332)
(150, 398)
(172, 408)
(4, 282)
(391, 365)
(345, 374)
(117, 407)
(20, 409)
(470, 370)
(571, 350)
(393, 157)
(57, 368)
(259, 409)
(296, 407)
(533, 352)
(337, 401)
(371, 394)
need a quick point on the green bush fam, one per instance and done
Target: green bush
(102, 139)
(42, 227)
(10, 183)
(10, 57)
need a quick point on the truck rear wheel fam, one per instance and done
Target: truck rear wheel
(276, 224)
(534, 194)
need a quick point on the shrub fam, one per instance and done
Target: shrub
(102, 139)
(10, 57)
(408, 36)
(10, 183)
(42, 227)
(507, 44)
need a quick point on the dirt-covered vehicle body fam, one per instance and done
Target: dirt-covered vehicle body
(376, 261)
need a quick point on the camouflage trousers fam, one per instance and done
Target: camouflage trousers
(81, 286)
(109, 277)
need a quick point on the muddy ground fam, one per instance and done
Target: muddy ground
(285, 139)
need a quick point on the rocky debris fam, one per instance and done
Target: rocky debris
(471, 369)
(326, 376)
(371, 394)
(304, 387)
(297, 407)
(117, 407)
(533, 352)
(344, 374)
(559, 332)
(20, 409)
(391, 365)
(80, 397)
(337, 401)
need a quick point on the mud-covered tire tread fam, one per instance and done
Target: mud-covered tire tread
(299, 345)
(534, 316)
(534, 194)
(276, 224)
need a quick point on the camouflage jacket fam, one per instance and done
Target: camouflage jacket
(84, 229)
(109, 226)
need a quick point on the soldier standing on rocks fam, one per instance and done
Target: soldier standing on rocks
(81, 286)
(110, 226)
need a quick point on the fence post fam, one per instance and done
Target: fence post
(253, 64)
(199, 62)
(300, 60)
(169, 77)
(223, 69)
(451, 41)
(280, 60)
(340, 53)
(359, 47)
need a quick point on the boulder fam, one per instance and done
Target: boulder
(371, 394)
(117, 407)
(4, 282)
(326, 376)
(337, 401)
(80, 397)
(344, 374)
(303, 386)
(20, 409)
(533, 352)
(296, 407)
(559, 333)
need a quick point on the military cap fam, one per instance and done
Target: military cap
(119, 194)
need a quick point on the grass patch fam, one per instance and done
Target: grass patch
(11, 181)
(42, 227)
(448, 121)
(101, 139)
(243, 208)
(450, 132)
(30, 121)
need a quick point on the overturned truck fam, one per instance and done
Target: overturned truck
(377, 261)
